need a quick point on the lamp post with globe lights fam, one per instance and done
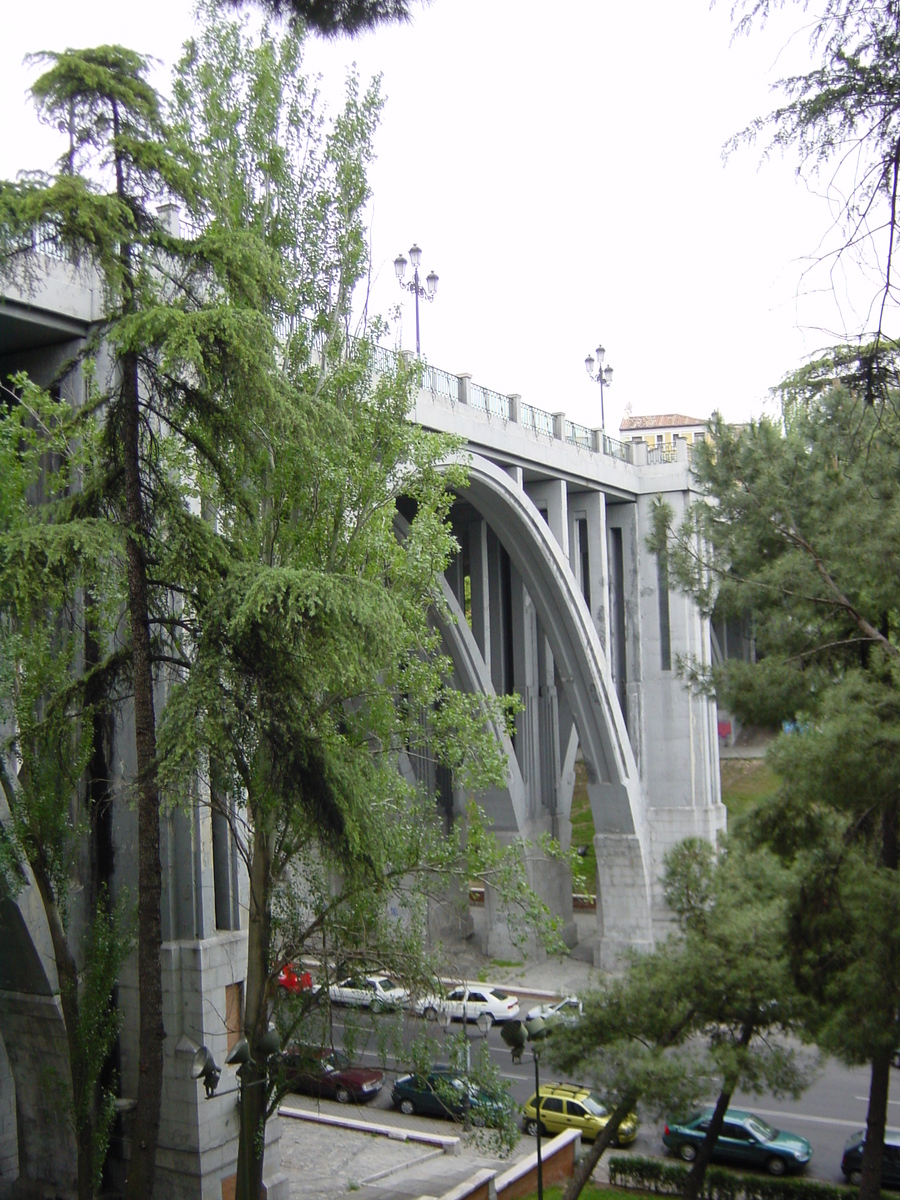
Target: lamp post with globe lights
(603, 377)
(426, 293)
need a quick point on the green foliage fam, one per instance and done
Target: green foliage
(799, 527)
(108, 941)
(843, 118)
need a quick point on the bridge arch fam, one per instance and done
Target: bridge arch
(618, 805)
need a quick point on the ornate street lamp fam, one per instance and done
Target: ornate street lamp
(427, 292)
(603, 377)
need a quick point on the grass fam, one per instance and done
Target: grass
(745, 782)
(583, 826)
(591, 1191)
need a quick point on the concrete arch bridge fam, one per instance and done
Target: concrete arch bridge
(556, 597)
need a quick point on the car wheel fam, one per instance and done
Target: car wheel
(688, 1151)
(855, 1177)
(431, 1013)
(531, 1127)
(342, 1096)
(776, 1165)
(490, 1019)
(407, 1106)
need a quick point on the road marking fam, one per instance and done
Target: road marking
(865, 1099)
(795, 1116)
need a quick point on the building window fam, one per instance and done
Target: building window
(234, 1013)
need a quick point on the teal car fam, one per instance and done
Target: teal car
(745, 1141)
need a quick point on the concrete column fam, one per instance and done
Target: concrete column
(622, 911)
(505, 936)
(480, 588)
(465, 383)
(34, 1035)
(680, 759)
(515, 407)
(517, 474)
(497, 617)
(590, 507)
(551, 497)
(9, 1138)
(525, 682)
(559, 426)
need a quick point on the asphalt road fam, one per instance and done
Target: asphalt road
(827, 1113)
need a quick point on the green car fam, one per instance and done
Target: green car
(443, 1092)
(745, 1141)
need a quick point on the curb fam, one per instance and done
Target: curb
(448, 1145)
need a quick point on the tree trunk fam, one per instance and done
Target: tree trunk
(251, 1148)
(873, 1151)
(152, 1032)
(67, 973)
(694, 1183)
(585, 1168)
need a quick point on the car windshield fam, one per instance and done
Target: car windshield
(498, 995)
(761, 1129)
(593, 1105)
(388, 985)
(338, 1061)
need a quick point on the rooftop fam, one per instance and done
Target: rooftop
(664, 421)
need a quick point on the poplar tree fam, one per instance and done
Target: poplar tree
(179, 320)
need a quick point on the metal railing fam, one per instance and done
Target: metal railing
(490, 402)
(579, 435)
(441, 383)
(537, 420)
(617, 449)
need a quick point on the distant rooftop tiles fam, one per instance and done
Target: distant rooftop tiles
(664, 421)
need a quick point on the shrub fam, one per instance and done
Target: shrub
(667, 1179)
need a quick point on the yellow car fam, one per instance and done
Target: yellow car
(568, 1106)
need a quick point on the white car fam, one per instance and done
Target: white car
(567, 1011)
(369, 991)
(468, 1001)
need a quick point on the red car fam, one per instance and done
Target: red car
(289, 979)
(329, 1073)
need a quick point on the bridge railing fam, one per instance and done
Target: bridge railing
(536, 419)
(667, 453)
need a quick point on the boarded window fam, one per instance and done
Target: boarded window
(234, 1012)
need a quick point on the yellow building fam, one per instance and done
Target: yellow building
(661, 430)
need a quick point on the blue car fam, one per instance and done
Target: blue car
(851, 1163)
(745, 1141)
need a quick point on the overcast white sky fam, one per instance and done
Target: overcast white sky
(560, 167)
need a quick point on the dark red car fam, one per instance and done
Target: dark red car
(330, 1074)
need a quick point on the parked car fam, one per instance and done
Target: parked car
(468, 1001)
(851, 1163)
(291, 981)
(568, 1106)
(378, 992)
(329, 1073)
(745, 1141)
(445, 1093)
(566, 1011)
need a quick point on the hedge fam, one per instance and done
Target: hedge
(666, 1178)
